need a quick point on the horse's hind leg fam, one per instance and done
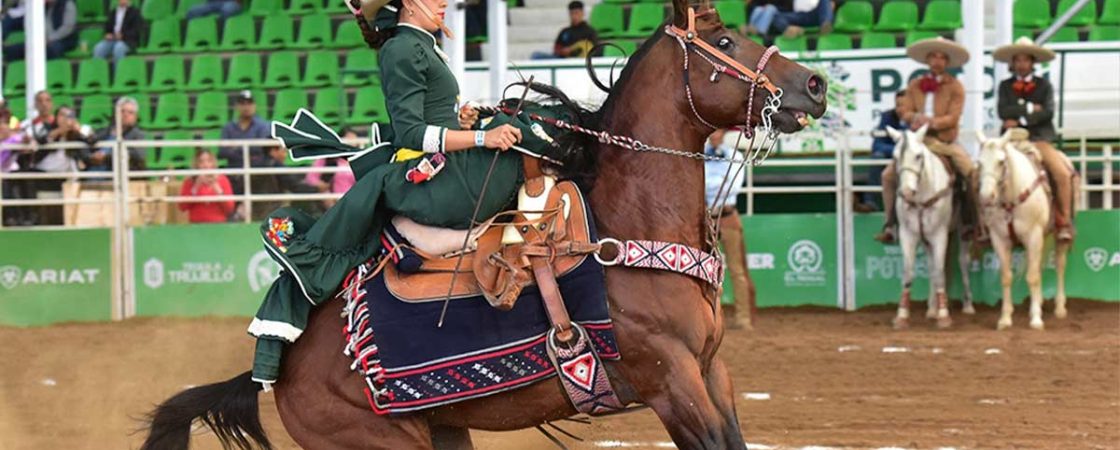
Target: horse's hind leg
(1061, 253)
(964, 260)
(1002, 246)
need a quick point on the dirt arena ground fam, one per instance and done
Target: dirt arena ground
(806, 378)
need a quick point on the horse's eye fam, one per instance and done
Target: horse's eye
(725, 43)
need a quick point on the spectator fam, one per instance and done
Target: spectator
(47, 128)
(13, 17)
(575, 41)
(882, 146)
(13, 120)
(731, 228)
(122, 33)
(62, 31)
(8, 135)
(762, 14)
(805, 13)
(338, 182)
(224, 8)
(247, 125)
(206, 185)
(101, 160)
(293, 183)
(36, 129)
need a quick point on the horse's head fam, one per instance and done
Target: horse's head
(993, 165)
(910, 153)
(732, 79)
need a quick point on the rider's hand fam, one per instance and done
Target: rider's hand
(467, 117)
(918, 121)
(502, 137)
(1010, 124)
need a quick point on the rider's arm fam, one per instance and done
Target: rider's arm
(1008, 107)
(1046, 114)
(909, 108)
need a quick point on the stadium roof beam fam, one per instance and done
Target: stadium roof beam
(1061, 21)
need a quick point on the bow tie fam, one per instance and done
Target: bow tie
(1023, 87)
(929, 84)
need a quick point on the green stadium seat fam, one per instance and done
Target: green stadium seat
(185, 5)
(87, 39)
(96, 111)
(333, 7)
(606, 19)
(93, 76)
(347, 36)
(369, 107)
(1066, 34)
(238, 33)
(1104, 33)
(834, 41)
(732, 12)
(644, 19)
(364, 60)
(214, 135)
(1021, 32)
(854, 17)
(163, 37)
(63, 100)
(942, 15)
(90, 11)
(168, 74)
(172, 111)
(15, 79)
(321, 69)
(131, 76)
(266, 7)
(17, 37)
(897, 16)
(915, 36)
(202, 35)
(211, 109)
(282, 70)
(59, 76)
(1087, 15)
(288, 101)
(328, 105)
(797, 44)
(175, 157)
(276, 32)
(1110, 13)
(619, 1)
(314, 31)
(1031, 13)
(143, 108)
(155, 9)
(304, 6)
(244, 71)
(18, 106)
(627, 50)
(206, 73)
(261, 98)
(757, 40)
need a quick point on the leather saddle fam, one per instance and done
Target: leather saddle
(549, 233)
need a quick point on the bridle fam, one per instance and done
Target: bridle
(1001, 186)
(921, 205)
(690, 42)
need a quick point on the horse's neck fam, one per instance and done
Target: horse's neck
(1020, 174)
(651, 195)
(935, 176)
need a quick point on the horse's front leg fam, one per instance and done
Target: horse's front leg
(722, 394)
(1061, 254)
(964, 260)
(1002, 246)
(938, 249)
(907, 241)
(1034, 275)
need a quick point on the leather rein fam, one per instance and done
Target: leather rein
(1009, 205)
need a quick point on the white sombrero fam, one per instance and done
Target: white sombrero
(1023, 46)
(918, 51)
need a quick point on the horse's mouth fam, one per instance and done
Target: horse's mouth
(788, 120)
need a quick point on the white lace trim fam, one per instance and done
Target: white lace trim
(273, 328)
(433, 139)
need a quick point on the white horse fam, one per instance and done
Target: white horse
(924, 206)
(1016, 208)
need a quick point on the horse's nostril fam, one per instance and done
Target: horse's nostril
(816, 87)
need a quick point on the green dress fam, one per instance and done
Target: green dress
(316, 254)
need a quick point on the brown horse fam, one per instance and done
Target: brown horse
(668, 326)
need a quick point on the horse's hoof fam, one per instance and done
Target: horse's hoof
(969, 309)
(931, 313)
(1060, 313)
(1003, 325)
(1037, 325)
(944, 322)
(901, 323)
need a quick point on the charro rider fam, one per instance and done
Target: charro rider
(1027, 101)
(935, 99)
(432, 172)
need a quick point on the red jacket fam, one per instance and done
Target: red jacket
(207, 212)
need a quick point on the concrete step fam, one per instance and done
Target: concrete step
(530, 16)
(532, 4)
(533, 33)
(521, 51)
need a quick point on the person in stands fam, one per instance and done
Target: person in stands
(223, 8)
(102, 159)
(245, 125)
(575, 41)
(62, 31)
(206, 185)
(338, 182)
(122, 33)
(882, 146)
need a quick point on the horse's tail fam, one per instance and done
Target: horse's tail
(229, 408)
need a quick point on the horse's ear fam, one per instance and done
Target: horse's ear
(680, 13)
(922, 132)
(980, 137)
(894, 134)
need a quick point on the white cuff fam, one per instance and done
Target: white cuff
(281, 330)
(1023, 121)
(1030, 108)
(434, 139)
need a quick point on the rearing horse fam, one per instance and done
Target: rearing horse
(678, 86)
(925, 216)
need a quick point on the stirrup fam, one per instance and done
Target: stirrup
(886, 236)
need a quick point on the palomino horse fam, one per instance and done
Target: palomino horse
(925, 216)
(1016, 209)
(668, 326)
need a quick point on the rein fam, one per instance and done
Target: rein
(923, 206)
(1009, 206)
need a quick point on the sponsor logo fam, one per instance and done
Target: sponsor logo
(262, 271)
(805, 259)
(156, 274)
(153, 273)
(760, 261)
(12, 277)
(1095, 257)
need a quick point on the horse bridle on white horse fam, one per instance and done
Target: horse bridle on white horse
(914, 203)
(1001, 185)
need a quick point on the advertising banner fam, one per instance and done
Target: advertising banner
(49, 276)
(792, 258)
(197, 270)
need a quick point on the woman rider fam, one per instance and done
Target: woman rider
(427, 130)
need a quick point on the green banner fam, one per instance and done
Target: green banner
(49, 276)
(197, 270)
(792, 258)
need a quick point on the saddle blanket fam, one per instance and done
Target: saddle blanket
(410, 364)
